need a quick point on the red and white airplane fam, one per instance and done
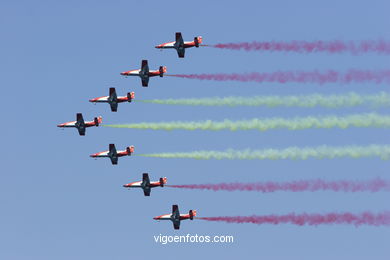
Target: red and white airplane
(180, 45)
(80, 124)
(113, 99)
(144, 73)
(146, 184)
(113, 154)
(176, 217)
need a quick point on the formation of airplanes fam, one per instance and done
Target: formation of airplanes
(113, 100)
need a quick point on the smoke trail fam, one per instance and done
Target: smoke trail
(364, 218)
(374, 185)
(336, 46)
(331, 76)
(295, 153)
(359, 120)
(331, 101)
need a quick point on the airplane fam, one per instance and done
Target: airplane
(180, 45)
(146, 185)
(176, 217)
(144, 73)
(113, 99)
(80, 124)
(113, 154)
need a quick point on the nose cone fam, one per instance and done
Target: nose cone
(124, 73)
(158, 46)
(156, 218)
(60, 125)
(125, 185)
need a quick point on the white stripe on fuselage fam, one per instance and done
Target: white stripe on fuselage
(134, 72)
(168, 45)
(101, 99)
(69, 124)
(165, 217)
(136, 184)
(103, 154)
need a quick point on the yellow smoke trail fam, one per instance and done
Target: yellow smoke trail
(294, 153)
(298, 123)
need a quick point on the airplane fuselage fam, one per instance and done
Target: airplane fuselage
(77, 125)
(111, 155)
(141, 74)
(174, 45)
(173, 217)
(106, 99)
(141, 184)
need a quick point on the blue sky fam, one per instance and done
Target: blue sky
(59, 203)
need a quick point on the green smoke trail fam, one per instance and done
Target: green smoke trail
(298, 123)
(331, 101)
(295, 153)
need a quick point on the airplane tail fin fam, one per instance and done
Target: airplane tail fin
(130, 150)
(198, 40)
(192, 214)
(162, 70)
(130, 96)
(98, 120)
(163, 181)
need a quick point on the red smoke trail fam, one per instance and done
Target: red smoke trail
(295, 186)
(379, 46)
(365, 218)
(331, 76)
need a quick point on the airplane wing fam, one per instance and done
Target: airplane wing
(114, 160)
(144, 65)
(114, 106)
(81, 130)
(179, 45)
(145, 177)
(179, 38)
(145, 81)
(79, 118)
(181, 52)
(147, 191)
(112, 149)
(174, 209)
(112, 92)
(176, 225)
